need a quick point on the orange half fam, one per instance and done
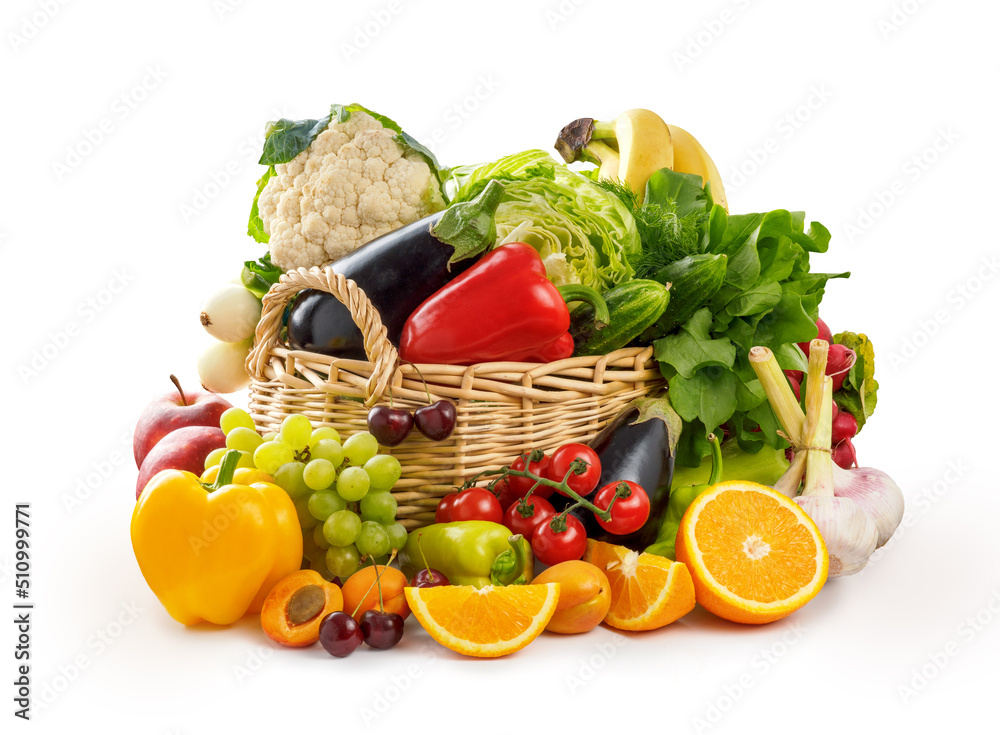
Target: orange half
(647, 591)
(487, 622)
(755, 556)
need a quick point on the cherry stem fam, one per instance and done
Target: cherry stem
(177, 383)
(422, 380)
(378, 581)
(372, 586)
(423, 556)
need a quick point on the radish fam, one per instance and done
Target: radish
(824, 334)
(845, 456)
(796, 384)
(796, 375)
(845, 426)
(839, 361)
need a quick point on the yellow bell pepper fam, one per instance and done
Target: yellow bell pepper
(213, 551)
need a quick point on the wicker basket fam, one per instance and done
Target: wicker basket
(504, 408)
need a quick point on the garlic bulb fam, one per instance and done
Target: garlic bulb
(850, 534)
(856, 510)
(875, 493)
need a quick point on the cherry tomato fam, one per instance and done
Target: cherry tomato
(476, 504)
(628, 513)
(521, 485)
(443, 512)
(553, 547)
(526, 526)
(560, 464)
(505, 494)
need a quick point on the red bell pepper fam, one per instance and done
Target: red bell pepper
(501, 309)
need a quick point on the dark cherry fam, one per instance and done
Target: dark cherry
(381, 630)
(389, 426)
(340, 634)
(429, 578)
(437, 420)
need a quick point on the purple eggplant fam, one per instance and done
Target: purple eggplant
(397, 272)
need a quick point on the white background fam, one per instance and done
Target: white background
(824, 107)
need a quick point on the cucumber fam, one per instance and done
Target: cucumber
(694, 280)
(634, 306)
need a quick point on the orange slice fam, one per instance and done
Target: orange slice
(754, 554)
(647, 591)
(487, 622)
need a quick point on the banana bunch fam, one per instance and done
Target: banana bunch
(634, 146)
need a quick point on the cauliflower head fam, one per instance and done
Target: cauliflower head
(352, 184)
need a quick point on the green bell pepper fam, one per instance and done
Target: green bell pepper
(477, 553)
(680, 499)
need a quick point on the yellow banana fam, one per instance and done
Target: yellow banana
(634, 146)
(628, 149)
(690, 157)
(644, 147)
(609, 158)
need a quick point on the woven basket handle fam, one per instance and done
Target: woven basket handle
(379, 349)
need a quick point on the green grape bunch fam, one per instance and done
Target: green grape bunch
(341, 489)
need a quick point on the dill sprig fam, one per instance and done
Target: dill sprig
(665, 236)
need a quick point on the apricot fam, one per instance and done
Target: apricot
(584, 596)
(296, 605)
(361, 591)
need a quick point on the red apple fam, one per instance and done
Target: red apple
(173, 411)
(184, 449)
